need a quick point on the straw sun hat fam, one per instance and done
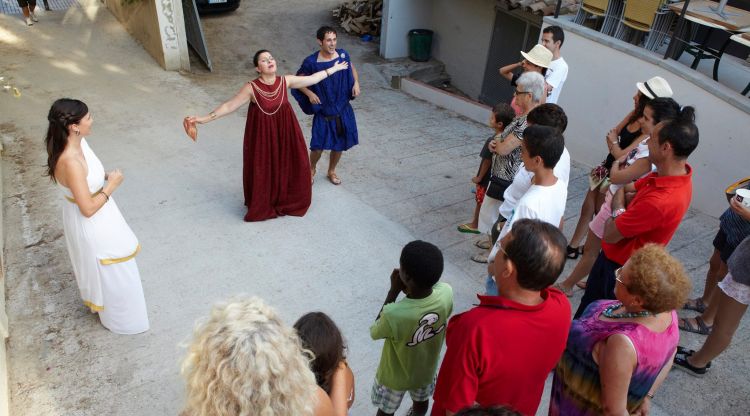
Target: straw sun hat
(655, 87)
(539, 56)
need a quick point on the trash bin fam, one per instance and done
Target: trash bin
(420, 44)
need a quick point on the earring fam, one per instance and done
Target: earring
(77, 132)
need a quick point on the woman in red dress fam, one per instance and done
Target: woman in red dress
(276, 168)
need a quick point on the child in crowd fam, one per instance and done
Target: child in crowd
(322, 337)
(413, 329)
(501, 115)
(545, 200)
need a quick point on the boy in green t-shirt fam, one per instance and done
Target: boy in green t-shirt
(413, 329)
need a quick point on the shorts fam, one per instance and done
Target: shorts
(488, 213)
(597, 224)
(723, 247)
(479, 195)
(24, 3)
(389, 400)
(736, 291)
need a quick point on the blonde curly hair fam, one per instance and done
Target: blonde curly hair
(243, 361)
(658, 278)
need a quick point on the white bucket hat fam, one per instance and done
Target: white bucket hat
(656, 87)
(539, 56)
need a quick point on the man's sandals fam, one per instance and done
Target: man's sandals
(681, 363)
(334, 178)
(695, 305)
(700, 327)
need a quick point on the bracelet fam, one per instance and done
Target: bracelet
(212, 115)
(105, 195)
(650, 395)
(326, 71)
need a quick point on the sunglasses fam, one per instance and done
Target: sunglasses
(516, 92)
(618, 277)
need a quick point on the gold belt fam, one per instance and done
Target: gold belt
(73, 200)
(106, 262)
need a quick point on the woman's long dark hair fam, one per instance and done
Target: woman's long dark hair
(63, 113)
(638, 110)
(320, 335)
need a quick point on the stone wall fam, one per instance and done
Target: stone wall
(159, 26)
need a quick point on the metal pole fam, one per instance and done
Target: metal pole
(678, 31)
(557, 8)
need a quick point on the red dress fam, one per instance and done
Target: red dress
(276, 170)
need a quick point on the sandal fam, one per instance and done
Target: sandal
(700, 326)
(466, 228)
(682, 351)
(483, 244)
(695, 305)
(479, 258)
(681, 363)
(334, 178)
(574, 252)
(568, 292)
(582, 285)
(312, 175)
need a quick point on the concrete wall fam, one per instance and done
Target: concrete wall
(597, 95)
(4, 388)
(159, 26)
(463, 32)
(399, 17)
(470, 109)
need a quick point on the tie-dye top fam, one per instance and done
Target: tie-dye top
(576, 388)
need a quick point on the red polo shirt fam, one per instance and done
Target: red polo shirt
(501, 352)
(653, 215)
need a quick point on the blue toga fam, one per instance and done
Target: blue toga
(334, 127)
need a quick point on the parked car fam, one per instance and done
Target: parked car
(216, 6)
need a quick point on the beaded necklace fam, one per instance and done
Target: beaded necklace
(270, 96)
(608, 312)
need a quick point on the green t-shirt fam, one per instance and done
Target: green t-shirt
(414, 331)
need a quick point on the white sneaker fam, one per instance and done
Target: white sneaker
(33, 17)
(29, 22)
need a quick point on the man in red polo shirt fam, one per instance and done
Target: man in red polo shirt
(501, 351)
(654, 213)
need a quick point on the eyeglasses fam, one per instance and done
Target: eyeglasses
(618, 277)
(516, 92)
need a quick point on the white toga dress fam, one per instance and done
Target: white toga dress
(102, 249)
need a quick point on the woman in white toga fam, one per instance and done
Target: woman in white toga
(102, 247)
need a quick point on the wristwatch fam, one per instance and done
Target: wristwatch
(616, 213)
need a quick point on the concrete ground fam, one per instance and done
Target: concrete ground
(408, 179)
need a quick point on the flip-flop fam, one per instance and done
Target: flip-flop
(466, 228)
(479, 258)
(334, 179)
(695, 305)
(701, 327)
(681, 363)
(312, 175)
(483, 244)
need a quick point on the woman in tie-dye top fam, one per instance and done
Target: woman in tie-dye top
(619, 352)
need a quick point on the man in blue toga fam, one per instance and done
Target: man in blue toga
(334, 127)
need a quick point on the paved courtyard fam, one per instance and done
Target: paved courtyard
(408, 179)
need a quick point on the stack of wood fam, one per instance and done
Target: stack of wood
(545, 7)
(360, 17)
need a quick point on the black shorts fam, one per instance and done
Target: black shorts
(725, 249)
(24, 3)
